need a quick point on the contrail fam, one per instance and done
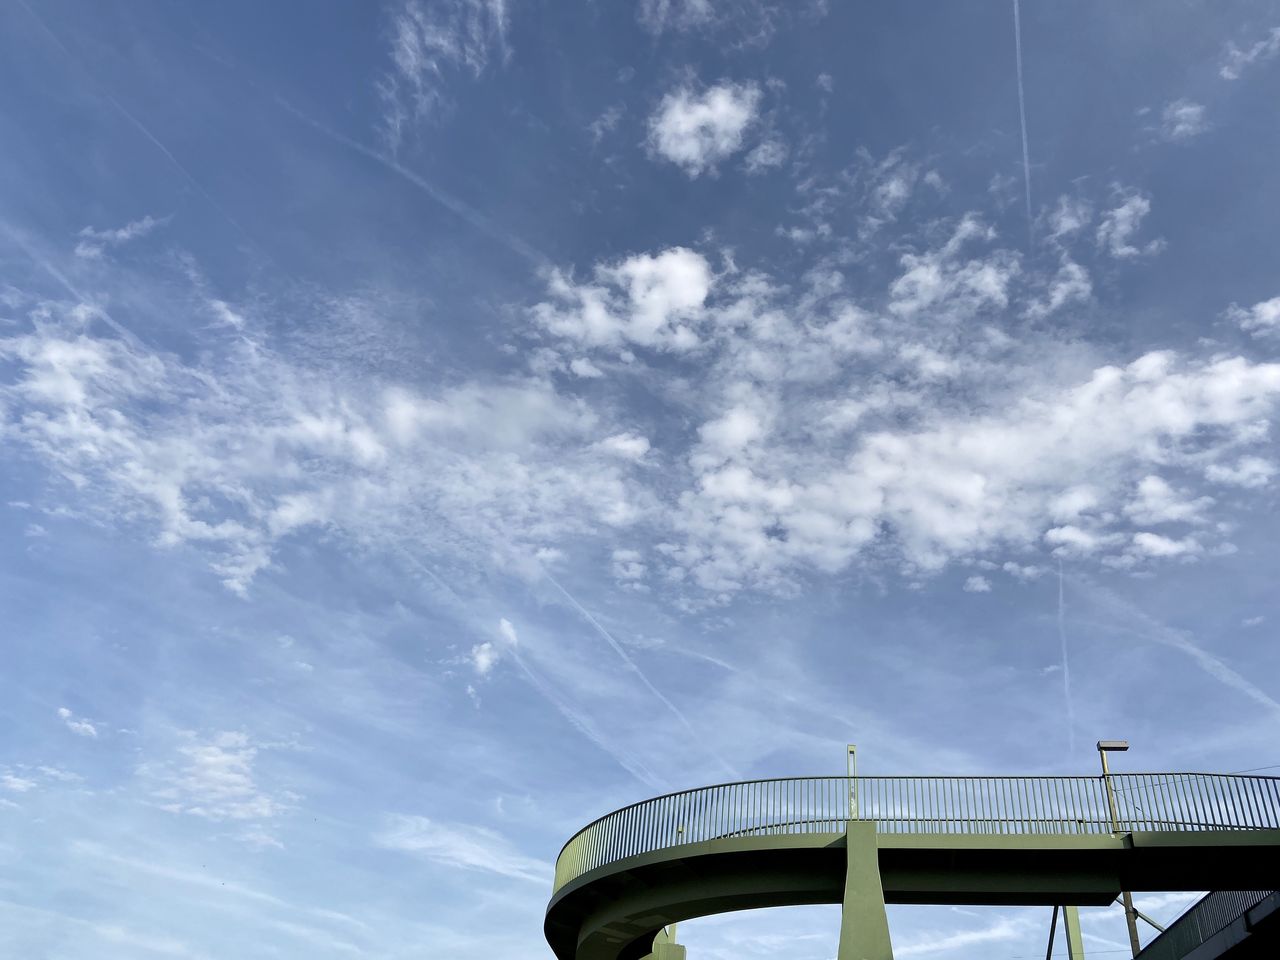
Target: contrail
(45, 264)
(1066, 666)
(135, 122)
(543, 687)
(631, 665)
(463, 210)
(1022, 111)
(1151, 629)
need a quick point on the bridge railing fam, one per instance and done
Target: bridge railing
(926, 805)
(1210, 915)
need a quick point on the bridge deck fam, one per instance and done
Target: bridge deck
(1017, 841)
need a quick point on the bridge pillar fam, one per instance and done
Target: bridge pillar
(864, 924)
(1075, 943)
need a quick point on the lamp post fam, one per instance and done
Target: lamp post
(1130, 915)
(851, 767)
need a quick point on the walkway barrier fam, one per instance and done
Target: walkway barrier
(1212, 914)
(925, 805)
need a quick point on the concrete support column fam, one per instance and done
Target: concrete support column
(1075, 945)
(864, 925)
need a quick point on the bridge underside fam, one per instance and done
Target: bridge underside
(613, 913)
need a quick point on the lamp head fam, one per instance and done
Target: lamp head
(1113, 746)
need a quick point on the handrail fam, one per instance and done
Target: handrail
(1209, 915)
(1031, 805)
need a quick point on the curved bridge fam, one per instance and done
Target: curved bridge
(865, 841)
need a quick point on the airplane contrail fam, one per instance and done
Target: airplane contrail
(1022, 111)
(1066, 666)
(634, 667)
(463, 210)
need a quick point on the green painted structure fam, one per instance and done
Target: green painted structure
(862, 842)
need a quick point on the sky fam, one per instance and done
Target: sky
(429, 425)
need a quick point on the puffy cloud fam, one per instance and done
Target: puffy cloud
(483, 657)
(239, 456)
(945, 282)
(1248, 472)
(1157, 502)
(78, 726)
(1155, 545)
(697, 130)
(654, 301)
(1237, 60)
(1070, 284)
(1119, 225)
(1262, 318)
(766, 155)
(1183, 119)
(629, 446)
(977, 584)
(1069, 217)
(214, 778)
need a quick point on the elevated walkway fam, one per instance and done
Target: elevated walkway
(865, 841)
(1224, 925)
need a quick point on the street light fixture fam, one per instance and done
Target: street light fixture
(1130, 915)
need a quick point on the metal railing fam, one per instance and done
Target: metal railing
(925, 805)
(1211, 914)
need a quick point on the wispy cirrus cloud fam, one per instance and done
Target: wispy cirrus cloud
(1182, 120)
(461, 846)
(431, 42)
(93, 243)
(77, 725)
(1238, 59)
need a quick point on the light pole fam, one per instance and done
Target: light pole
(1130, 915)
(851, 767)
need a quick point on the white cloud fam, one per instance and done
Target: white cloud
(1120, 224)
(1022, 571)
(1183, 119)
(1157, 502)
(1250, 472)
(461, 846)
(698, 130)
(1262, 318)
(660, 15)
(1253, 621)
(977, 585)
(582, 367)
(766, 155)
(1069, 217)
(1002, 930)
(93, 243)
(1155, 545)
(14, 783)
(1071, 284)
(825, 82)
(650, 301)
(431, 40)
(629, 446)
(79, 726)
(1236, 60)
(508, 632)
(483, 657)
(628, 566)
(605, 123)
(214, 778)
(943, 280)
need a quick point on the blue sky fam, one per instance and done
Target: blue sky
(429, 425)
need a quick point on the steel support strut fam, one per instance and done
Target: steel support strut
(864, 924)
